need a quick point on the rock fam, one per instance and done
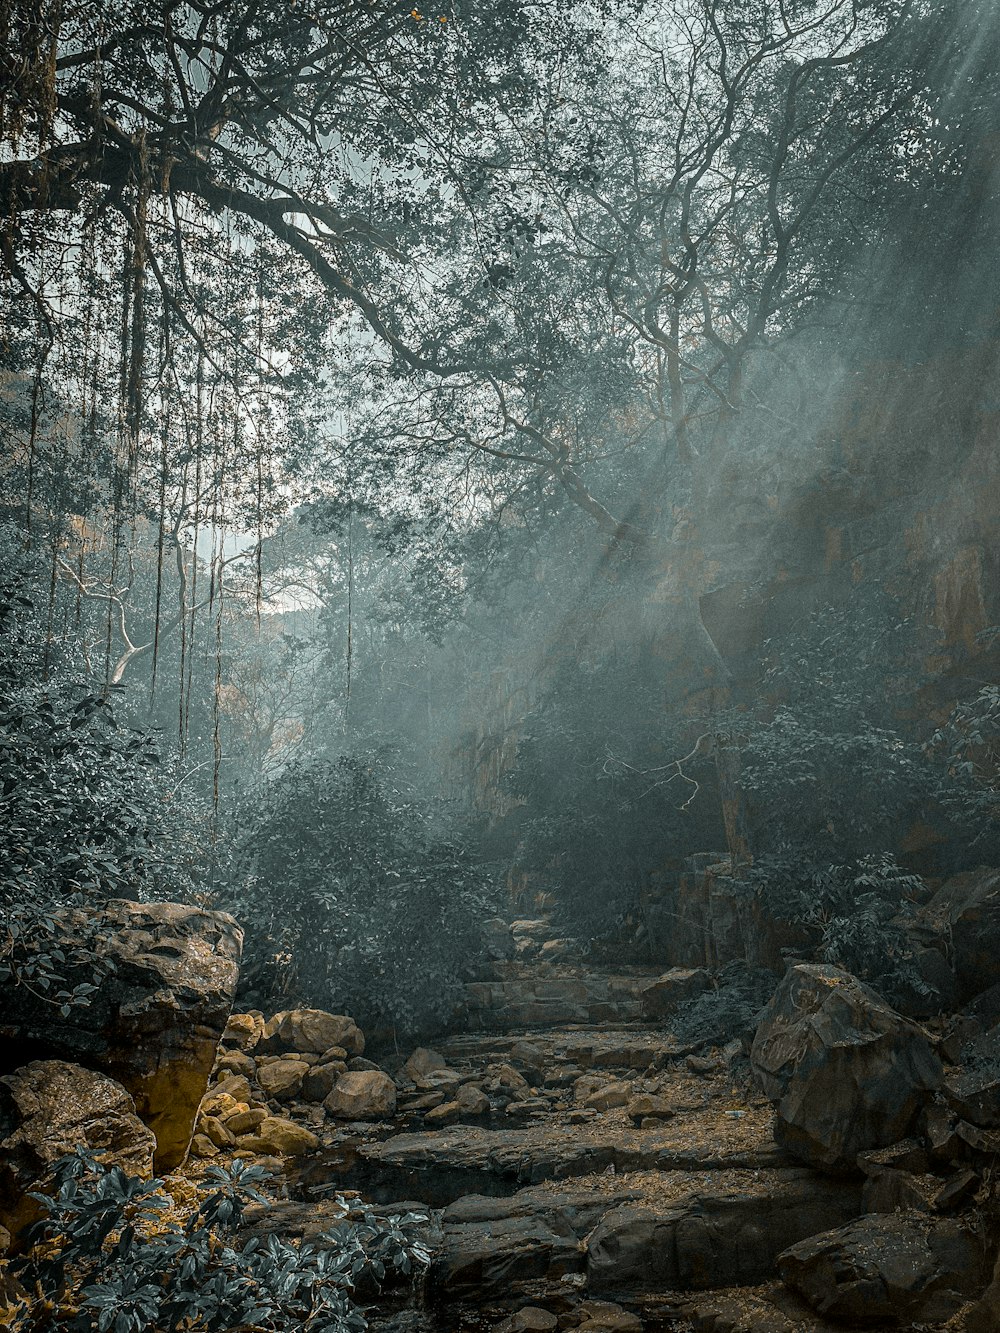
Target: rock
(277, 1135)
(965, 915)
(905, 1267)
(973, 1089)
(847, 1073)
(215, 1130)
(202, 1146)
(648, 1107)
(662, 997)
(243, 1031)
(154, 1022)
(245, 1122)
(559, 951)
(315, 1030)
(439, 1080)
(606, 1317)
(472, 1100)
(366, 1095)
(49, 1108)
(235, 1086)
(235, 1062)
(505, 1080)
(282, 1079)
(703, 1065)
(984, 1316)
(423, 1062)
(498, 939)
(610, 1096)
(488, 1245)
(447, 1113)
(358, 1064)
(319, 1082)
(527, 1055)
(533, 1319)
(720, 1235)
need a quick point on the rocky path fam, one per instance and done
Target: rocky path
(578, 1166)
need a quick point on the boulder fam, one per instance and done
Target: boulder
(610, 1096)
(902, 1267)
(245, 1122)
(365, 1095)
(282, 1079)
(49, 1108)
(154, 1022)
(274, 1134)
(964, 915)
(472, 1100)
(243, 1031)
(648, 1107)
(316, 1031)
(319, 1082)
(661, 997)
(846, 1072)
(421, 1063)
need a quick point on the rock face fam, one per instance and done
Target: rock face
(905, 1266)
(847, 1073)
(965, 912)
(155, 1021)
(48, 1109)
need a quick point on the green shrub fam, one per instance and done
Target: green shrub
(354, 899)
(109, 1258)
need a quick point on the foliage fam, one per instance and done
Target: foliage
(355, 900)
(854, 914)
(726, 1012)
(85, 814)
(111, 1258)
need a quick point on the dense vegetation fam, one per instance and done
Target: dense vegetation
(443, 457)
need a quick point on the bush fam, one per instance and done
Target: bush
(85, 814)
(854, 915)
(112, 1258)
(353, 899)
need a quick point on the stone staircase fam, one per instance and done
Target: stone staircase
(618, 1175)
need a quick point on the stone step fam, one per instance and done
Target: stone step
(530, 1001)
(631, 1236)
(440, 1166)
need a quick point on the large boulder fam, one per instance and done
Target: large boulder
(314, 1030)
(964, 915)
(49, 1108)
(847, 1073)
(905, 1267)
(166, 974)
(362, 1095)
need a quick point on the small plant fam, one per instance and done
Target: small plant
(111, 1257)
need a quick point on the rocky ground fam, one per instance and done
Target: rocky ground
(577, 1165)
(581, 1167)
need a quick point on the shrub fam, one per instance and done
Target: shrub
(353, 899)
(112, 1258)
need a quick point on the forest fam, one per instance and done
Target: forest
(499, 666)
